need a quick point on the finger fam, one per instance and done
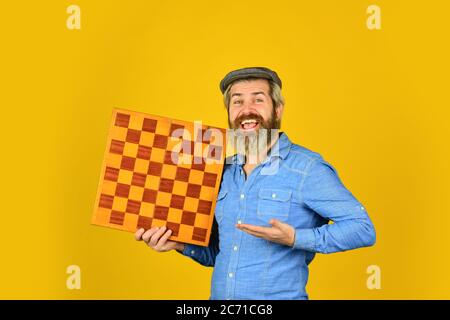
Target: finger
(163, 240)
(256, 234)
(277, 223)
(254, 228)
(139, 234)
(148, 234)
(155, 237)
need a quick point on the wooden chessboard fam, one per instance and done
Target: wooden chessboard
(160, 172)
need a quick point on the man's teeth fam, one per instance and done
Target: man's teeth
(248, 121)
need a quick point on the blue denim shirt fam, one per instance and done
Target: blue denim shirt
(296, 186)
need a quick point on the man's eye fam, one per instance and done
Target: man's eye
(259, 100)
(237, 102)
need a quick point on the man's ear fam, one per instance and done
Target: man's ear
(279, 110)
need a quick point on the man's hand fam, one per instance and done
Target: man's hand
(156, 238)
(279, 232)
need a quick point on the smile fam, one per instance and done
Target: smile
(249, 124)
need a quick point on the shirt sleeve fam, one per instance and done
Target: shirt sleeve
(324, 193)
(204, 255)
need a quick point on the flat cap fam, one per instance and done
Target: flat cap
(245, 73)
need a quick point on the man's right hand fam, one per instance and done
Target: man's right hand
(156, 238)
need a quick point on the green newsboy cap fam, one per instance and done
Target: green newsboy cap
(245, 73)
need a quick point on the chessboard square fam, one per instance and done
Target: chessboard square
(158, 155)
(144, 152)
(169, 171)
(174, 215)
(171, 157)
(202, 221)
(182, 174)
(204, 207)
(125, 176)
(133, 206)
(190, 204)
(122, 120)
(163, 127)
(149, 196)
(127, 163)
(176, 129)
(193, 190)
(136, 193)
(198, 163)
(214, 154)
(147, 139)
(138, 179)
(116, 217)
(111, 174)
(214, 168)
(116, 146)
(196, 177)
(179, 188)
(158, 223)
(209, 179)
(199, 234)
(161, 212)
(120, 204)
(188, 218)
(187, 147)
(130, 150)
(133, 136)
(174, 227)
(174, 144)
(106, 201)
(113, 160)
(144, 222)
(141, 166)
(119, 134)
(154, 168)
(160, 141)
(136, 123)
(147, 209)
(122, 190)
(108, 187)
(149, 125)
(207, 193)
(130, 222)
(163, 199)
(166, 185)
(101, 216)
(177, 201)
(185, 160)
(152, 182)
(185, 231)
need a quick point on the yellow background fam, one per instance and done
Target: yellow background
(373, 103)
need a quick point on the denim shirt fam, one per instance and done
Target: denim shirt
(296, 186)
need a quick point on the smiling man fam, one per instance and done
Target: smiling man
(272, 214)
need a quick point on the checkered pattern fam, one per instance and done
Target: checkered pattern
(151, 179)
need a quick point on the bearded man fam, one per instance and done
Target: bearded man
(274, 207)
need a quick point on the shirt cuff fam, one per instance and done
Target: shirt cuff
(189, 250)
(305, 239)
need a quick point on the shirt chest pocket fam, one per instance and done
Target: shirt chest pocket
(273, 203)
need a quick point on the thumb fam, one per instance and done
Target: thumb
(276, 223)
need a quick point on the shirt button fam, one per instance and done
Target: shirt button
(235, 248)
(193, 252)
(362, 208)
(274, 195)
(230, 275)
(239, 221)
(242, 196)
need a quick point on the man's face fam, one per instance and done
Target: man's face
(251, 107)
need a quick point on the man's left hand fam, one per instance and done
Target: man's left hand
(279, 232)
